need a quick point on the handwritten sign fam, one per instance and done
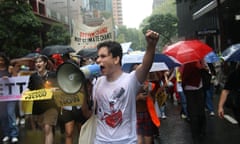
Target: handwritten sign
(41, 94)
(88, 37)
(12, 87)
(63, 99)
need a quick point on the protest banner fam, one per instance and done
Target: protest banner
(88, 37)
(64, 99)
(12, 87)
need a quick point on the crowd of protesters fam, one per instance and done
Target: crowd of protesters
(191, 85)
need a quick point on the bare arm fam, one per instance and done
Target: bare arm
(143, 69)
(221, 102)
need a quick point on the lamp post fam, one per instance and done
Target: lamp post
(69, 18)
(220, 26)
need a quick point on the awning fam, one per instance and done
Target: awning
(205, 9)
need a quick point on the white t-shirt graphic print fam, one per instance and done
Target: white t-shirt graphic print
(116, 109)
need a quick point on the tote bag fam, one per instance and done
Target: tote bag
(88, 131)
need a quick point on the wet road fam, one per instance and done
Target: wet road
(173, 130)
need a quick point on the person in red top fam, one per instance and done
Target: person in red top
(193, 89)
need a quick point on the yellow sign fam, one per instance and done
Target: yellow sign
(34, 95)
(63, 99)
(27, 107)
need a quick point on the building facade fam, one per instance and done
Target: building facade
(217, 22)
(117, 12)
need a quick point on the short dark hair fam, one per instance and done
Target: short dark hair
(42, 57)
(114, 48)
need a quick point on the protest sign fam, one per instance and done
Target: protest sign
(63, 99)
(12, 87)
(41, 94)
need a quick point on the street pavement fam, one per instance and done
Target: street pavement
(173, 130)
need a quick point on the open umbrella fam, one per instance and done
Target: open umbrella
(88, 53)
(232, 53)
(23, 61)
(211, 57)
(158, 57)
(57, 49)
(129, 60)
(159, 66)
(188, 50)
(32, 55)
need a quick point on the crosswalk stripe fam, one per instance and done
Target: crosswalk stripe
(230, 119)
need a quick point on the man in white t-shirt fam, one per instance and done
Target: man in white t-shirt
(115, 92)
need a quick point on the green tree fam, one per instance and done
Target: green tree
(165, 25)
(58, 35)
(121, 38)
(19, 28)
(133, 35)
(166, 7)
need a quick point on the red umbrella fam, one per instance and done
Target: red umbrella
(188, 50)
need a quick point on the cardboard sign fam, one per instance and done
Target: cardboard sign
(63, 99)
(41, 94)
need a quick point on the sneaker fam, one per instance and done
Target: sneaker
(212, 114)
(22, 121)
(17, 121)
(14, 140)
(5, 139)
(163, 116)
(183, 116)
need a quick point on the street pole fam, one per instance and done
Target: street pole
(69, 18)
(220, 26)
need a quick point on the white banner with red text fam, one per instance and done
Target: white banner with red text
(88, 37)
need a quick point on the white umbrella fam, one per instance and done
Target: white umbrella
(129, 60)
(159, 66)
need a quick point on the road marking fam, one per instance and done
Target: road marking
(230, 119)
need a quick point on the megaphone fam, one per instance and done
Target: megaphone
(71, 78)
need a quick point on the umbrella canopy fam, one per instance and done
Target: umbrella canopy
(211, 57)
(32, 55)
(164, 62)
(170, 61)
(88, 52)
(232, 53)
(159, 66)
(138, 57)
(188, 50)
(57, 49)
(23, 61)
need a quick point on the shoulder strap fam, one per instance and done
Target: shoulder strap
(94, 101)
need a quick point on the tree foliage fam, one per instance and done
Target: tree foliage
(133, 35)
(165, 25)
(58, 35)
(19, 28)
(166, 7)
(163, 20)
